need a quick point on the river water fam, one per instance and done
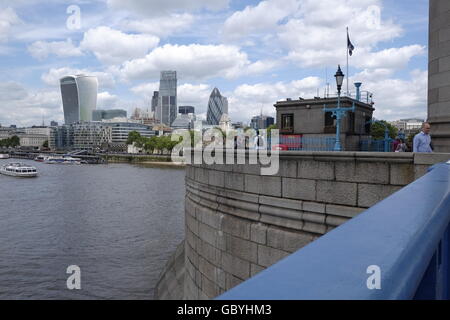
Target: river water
(119, 223)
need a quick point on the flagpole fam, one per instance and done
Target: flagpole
(347, 64)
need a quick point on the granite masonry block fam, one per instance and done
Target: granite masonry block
(244, 249)
(235, 266)
(234, 181)
(258, 233)
(371, 194)
(343, 211)
(316, 170)
(267, 256)
(401, 174)
(287, 241)
(368, 172)
(236, 227)
(337, 192)
(300, 189)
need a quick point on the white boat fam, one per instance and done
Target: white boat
(40, 158)
(4, 156)
(18, 170)
(62, 160)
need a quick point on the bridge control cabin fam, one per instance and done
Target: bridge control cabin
(306, 117)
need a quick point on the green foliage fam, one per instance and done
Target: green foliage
(150, 145)
(379, 127)
(270, 128)
(13, 142)
(45, 144)
(133, 136)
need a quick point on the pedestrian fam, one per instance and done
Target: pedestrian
(401, 146)
(422, 140)
(259, 142)
(395, 143)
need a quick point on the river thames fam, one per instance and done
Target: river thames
(119, 223)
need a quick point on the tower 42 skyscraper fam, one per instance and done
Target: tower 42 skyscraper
(79, 97)
(166, 112)
(217, 106)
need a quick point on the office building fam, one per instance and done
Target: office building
(261, 122)
(79, 97)
(166, 111)
(155, 101)
(186, 109)
(120, 131)
(217, 106)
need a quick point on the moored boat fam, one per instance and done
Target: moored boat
(4, 156)
(62, 160)
(18, 170)
(40, 158)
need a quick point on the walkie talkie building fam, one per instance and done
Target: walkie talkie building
(217, 106)
(79, 97)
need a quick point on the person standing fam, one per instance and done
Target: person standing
(259, 141)
(422, 140)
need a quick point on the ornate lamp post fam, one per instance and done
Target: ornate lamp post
(339, 112)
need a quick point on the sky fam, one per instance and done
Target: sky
(255, 52)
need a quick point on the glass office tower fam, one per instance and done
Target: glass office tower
(79, 97)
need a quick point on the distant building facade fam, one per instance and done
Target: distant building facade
(217, 106)
(155, 99)
(99, 115)
(166, 111)
(184, 121)
(186, 109)
(79, 97)
(261, 122)
(120, 131)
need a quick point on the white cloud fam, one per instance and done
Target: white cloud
(317, 38)
(262, 17)
(246, 100)
(18, 101)
(159, 26)
(393, 58)
(164, 7)
(63, 49)
(10, 91)
(52, 77)
(146, 89)
(195, 61)
(396, 98)
(114, 47)
(8, 18)
(106, 100)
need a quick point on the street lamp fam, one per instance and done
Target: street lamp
(339, 79)
(339, 112)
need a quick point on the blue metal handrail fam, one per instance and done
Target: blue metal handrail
(405, 235)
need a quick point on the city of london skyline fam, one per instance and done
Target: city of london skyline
(256, 53)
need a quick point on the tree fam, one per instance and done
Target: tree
(133, 136)
(45, 144)
(378, 129)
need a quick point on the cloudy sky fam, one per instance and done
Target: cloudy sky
(255, 52)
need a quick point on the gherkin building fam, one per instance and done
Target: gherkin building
(217, 106)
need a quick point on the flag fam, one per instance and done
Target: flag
(350, 46)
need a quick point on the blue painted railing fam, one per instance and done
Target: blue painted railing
(406, 236)
(300, 143)
(377, 145)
